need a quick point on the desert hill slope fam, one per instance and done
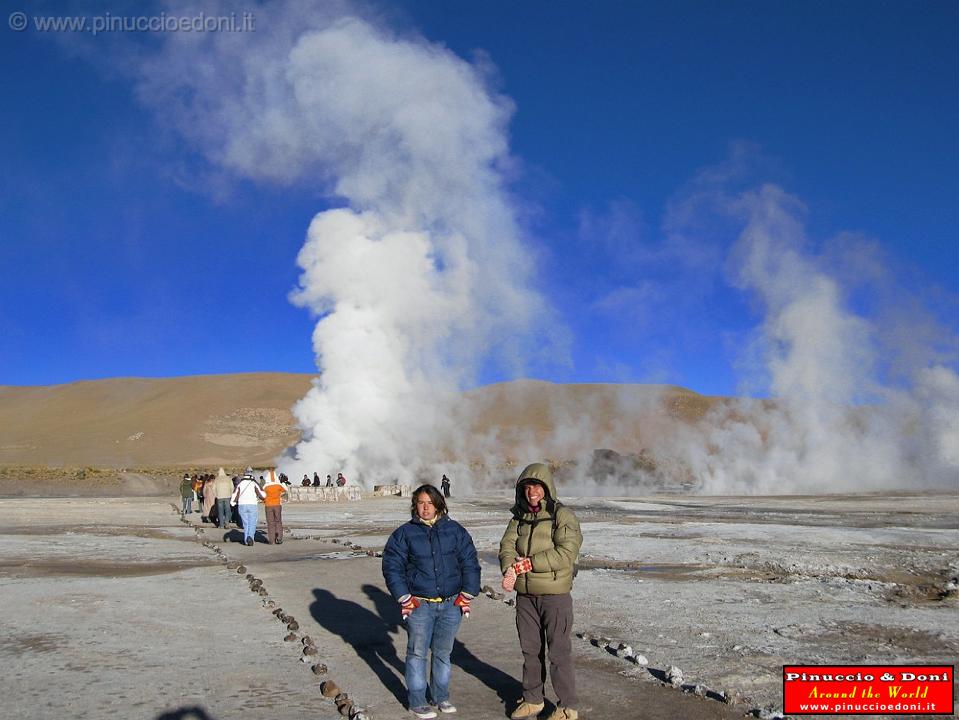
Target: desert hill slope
(567, 420)
(138, 422)
(245, 419)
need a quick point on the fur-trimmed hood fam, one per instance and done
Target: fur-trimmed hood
(540, 473)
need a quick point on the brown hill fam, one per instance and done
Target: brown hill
(565, 420)
(234, 420)
(140, 422)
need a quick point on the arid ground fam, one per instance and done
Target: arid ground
(117, 607)
(114, 607)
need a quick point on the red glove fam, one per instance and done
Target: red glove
(509, 579)
(408, 604)
(522, 565)
(463, 601)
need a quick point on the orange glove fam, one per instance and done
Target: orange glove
(408, 604)
(522, 565)
(462, 601)
(509, 579)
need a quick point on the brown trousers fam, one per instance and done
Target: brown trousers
(274, 523)
(546, 621)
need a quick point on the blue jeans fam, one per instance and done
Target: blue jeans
(187, 505)
(224, 510)
(248, 516)
(432, 626)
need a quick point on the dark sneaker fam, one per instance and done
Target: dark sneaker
(279, 541)
(424, 712)
(249, 542)
(446, 707)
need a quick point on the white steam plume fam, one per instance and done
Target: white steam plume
(832, 423)
(422, 276)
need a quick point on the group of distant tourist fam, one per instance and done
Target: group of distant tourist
(432, 571)
(330, 482)
(222, 500)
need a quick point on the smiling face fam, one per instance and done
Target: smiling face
(425, 508)
(534, 493)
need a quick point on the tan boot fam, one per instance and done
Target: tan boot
(563, 713)
(527, 710)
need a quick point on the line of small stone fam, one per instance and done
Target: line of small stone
(328, 688)
(672, 676)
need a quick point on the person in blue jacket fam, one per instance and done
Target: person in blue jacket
(431, 570)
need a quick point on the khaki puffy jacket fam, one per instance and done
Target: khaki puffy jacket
(553, 554)
(222, 485)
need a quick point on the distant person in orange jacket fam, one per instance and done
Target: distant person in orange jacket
(198, 492)
(274, 491)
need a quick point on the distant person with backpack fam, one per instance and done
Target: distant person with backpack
(246, 498)
(537, 556)
(186, 493)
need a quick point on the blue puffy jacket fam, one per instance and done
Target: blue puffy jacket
(431, 562)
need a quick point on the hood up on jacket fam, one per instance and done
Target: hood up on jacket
(540, 473)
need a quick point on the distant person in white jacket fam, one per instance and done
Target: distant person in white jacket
(246, 498)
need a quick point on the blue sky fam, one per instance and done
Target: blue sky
(120, 260)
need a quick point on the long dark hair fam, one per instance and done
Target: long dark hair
(435, 495)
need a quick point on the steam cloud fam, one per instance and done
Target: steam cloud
(836, 420)
(421, 276)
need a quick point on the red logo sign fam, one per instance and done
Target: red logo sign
(868, 689)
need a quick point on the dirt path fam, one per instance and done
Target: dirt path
(342, 603)
(114, 608)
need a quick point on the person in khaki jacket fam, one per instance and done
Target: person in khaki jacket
(537, 556)
(223, 489)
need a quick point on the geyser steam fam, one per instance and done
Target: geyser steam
(835, 420)
(422, 275)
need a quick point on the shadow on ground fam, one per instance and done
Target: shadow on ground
(367, 633)
(194, 712)
(372, 635)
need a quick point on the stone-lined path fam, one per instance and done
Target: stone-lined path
(117, 608)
